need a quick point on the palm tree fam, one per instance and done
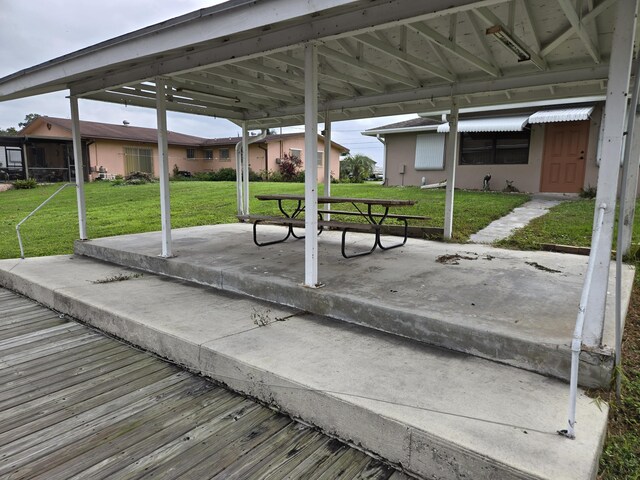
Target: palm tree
(356, 167)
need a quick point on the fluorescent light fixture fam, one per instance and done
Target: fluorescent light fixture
(504, 37)
(212, 96)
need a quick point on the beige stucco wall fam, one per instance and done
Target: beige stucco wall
(401, 150)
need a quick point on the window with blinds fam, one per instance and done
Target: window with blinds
(430, 151)
(138, 160)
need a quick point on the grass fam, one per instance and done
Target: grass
(570, 223)
(132, 209)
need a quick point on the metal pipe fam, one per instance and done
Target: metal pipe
(623, 226)
(37, 208)
(576, 343)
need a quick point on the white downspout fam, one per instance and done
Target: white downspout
(77, 153)
(327, 161)
(383, 141)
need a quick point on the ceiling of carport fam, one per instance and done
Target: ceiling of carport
(375, 58)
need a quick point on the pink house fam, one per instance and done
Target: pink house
(111, 150)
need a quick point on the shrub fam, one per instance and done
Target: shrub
(25, 184)
(589, 192)
(289, 167)
(225, 175)
(139, 178)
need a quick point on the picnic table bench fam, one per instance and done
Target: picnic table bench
(363, 209)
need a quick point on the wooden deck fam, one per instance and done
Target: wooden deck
(77, 404)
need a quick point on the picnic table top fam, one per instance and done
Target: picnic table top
(366, 201)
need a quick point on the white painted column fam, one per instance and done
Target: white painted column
(77, 160)
(163, 161)
(615, 108)
(451, 162)
(239, 189)
(327, 161)
(632, 165)
(245, 168)
(311, 165)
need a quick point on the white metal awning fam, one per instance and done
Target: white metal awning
(562, 115)
(499, 124)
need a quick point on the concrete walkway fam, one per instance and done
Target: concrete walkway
(434, 412)
(518, 218)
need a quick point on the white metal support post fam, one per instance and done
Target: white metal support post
(632, 163)
(77, 160)
(327, 161)
(451, 162)
(163, 161)
(245, 168)
(311, 165)
(615, 108)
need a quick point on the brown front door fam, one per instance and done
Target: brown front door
(563, 161)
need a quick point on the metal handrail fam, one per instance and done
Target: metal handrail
(34, 211)
(576, 343)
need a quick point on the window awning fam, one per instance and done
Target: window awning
(562, 115)
(499, 124)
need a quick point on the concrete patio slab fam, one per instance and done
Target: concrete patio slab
(511, 306)
(435, 412)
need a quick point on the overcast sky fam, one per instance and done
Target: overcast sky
(32, 32)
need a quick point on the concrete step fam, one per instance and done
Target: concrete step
(436, 413)
(514, 307)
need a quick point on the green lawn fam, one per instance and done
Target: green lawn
(569, 223)
(117, 210)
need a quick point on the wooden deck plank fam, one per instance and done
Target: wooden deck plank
(34, 367)
(17, 376)
(78, 455)
(34, 417)
(23, 328)
(41, 443)
(249, 465)
(258, 432)
(112, 462)
(77, 375)
(75, 404)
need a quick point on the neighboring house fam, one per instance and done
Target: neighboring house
(110, 150)
(11, 158)
(543, 149)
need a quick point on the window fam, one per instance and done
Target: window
(320, 159)
(224, 155)
(295, 152)
(191, 153)
(501, 148)
(208, 154)
(430, 152)
(138, 160)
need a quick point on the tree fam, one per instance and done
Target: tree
(9, 132)
(12, 131)
(28, 118)
(357, 168)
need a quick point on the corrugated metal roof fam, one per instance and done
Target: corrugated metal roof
(498, 124)
(562, 115)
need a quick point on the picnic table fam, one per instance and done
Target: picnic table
(292, 209)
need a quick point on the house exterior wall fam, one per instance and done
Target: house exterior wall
(109, 154)
(401, 150)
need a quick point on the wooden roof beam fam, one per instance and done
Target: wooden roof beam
(579, 28)
(491, 19)
(589, 17)
(405, 57)
(435, 37)
(355, 62)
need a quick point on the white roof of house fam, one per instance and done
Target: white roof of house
(498, 124)
(562, 115)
